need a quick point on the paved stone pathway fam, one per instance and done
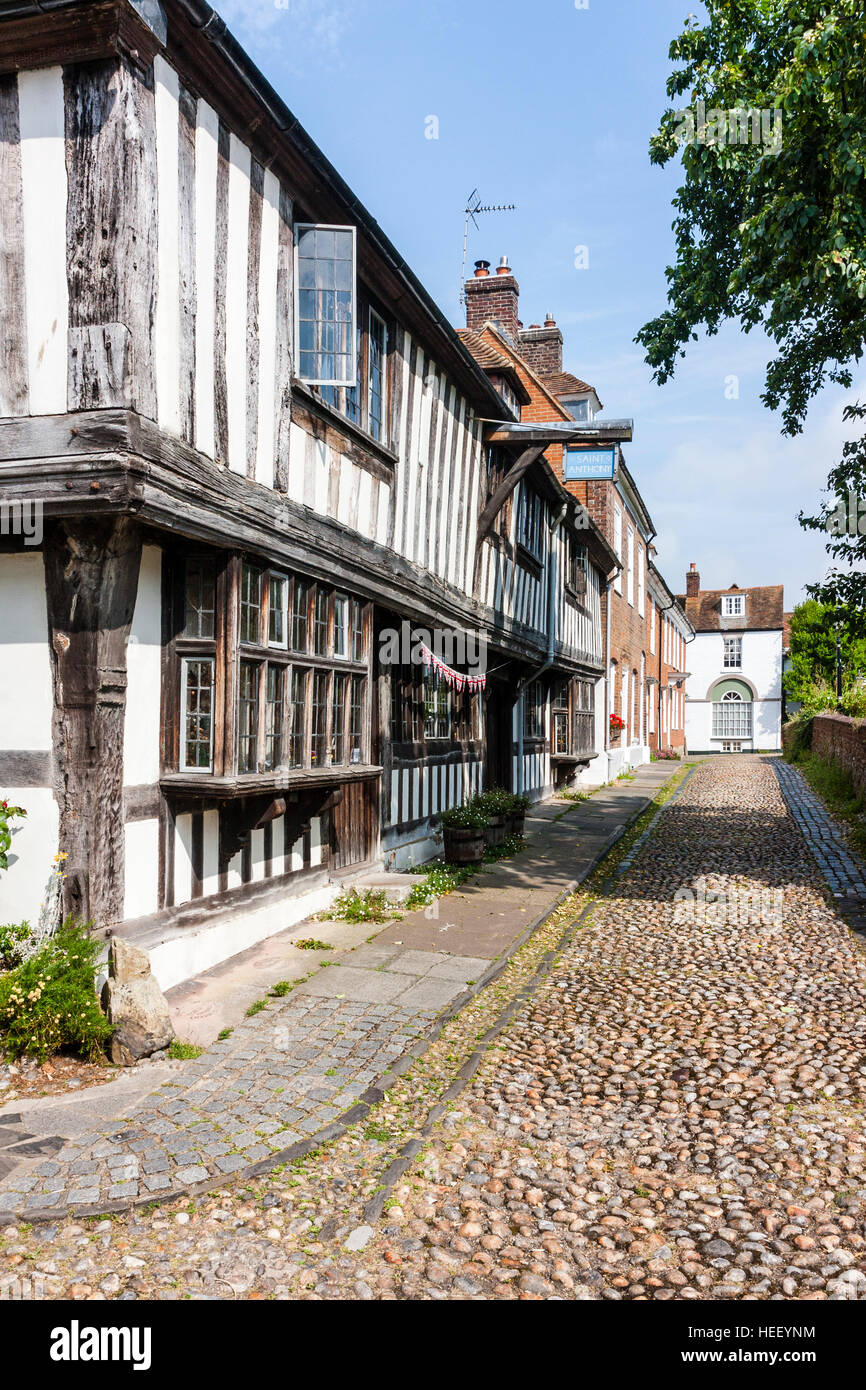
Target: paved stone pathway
(292, 1070)
(844, 870)
(676, 1113)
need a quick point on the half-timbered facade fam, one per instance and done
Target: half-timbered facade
(295, 583)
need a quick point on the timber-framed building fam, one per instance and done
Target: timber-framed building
(256, 450)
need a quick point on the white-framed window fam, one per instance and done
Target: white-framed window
(652, 627)
(578, 409)
(732, 716)
(733, 658)
(341, 625)
(617, 544)
(733, 605)
(278, 610)
(196, 703)
(641, 605)
(326, 304)
(630, 577)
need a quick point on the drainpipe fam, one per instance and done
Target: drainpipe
(552, 524)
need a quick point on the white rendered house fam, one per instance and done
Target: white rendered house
(734, 689)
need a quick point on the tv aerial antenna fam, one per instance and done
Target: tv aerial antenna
(473, 210)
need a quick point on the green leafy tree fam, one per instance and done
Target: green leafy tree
(772, 233)
(813, 650)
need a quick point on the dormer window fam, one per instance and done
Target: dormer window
(733, 605)
(579, 410)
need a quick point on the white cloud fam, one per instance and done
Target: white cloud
(298, 27)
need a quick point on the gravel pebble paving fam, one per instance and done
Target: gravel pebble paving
(675, 1113)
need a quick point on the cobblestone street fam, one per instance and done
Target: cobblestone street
(674, 1111)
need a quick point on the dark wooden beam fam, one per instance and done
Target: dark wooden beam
(91, 579)
(78, 34)
(505, 489)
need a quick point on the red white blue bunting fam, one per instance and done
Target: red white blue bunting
(455, 679)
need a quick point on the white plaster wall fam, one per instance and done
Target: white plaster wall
(26, 698)
(762, 664)
(31, 857)
(141, 868)
(26, 703)
(143, 656)
(761, 668)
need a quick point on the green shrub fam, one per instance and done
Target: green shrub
(7, 813)
(816, 695)
(511, 845)
(495, 802)
(50, 1001)
(370, 906)
(12, 939)
(439, 879)
(853, 702)
(467, 817)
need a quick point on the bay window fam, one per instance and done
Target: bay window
(292, 689)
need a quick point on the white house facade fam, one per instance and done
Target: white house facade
(734, 687)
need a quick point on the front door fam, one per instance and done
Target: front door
(498, 736)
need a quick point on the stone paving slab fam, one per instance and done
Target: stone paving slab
(843, 869)
(291, 1070)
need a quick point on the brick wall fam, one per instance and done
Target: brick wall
(839, 739)
(492, 297)
(541, 348)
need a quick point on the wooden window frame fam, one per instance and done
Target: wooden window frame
(226, 654)
(319, 380)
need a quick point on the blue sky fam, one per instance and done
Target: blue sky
(551, 107)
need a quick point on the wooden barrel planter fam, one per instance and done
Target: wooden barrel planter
(464, 844)
(497, 830)
(515, 822)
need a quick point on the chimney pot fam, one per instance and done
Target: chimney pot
(492, 299)
(550, 321)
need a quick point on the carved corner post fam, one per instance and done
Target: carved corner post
(91, 579)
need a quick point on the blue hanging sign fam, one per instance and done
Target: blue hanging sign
(589, 463)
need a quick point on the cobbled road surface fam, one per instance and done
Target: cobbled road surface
(677, 1113)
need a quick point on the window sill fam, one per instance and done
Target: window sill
(529, 561)
(383, 452)
(254, 783)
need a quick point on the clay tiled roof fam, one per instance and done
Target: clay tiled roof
(491, 360)
(564, 384)
(786, 631)
(764, 609)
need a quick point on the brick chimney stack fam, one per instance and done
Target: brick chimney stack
(693, 582)
(493, 298)
(541, 348)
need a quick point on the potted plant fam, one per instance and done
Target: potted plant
(463, 828)
(496, 803)
(617, 724)
(517, 814)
